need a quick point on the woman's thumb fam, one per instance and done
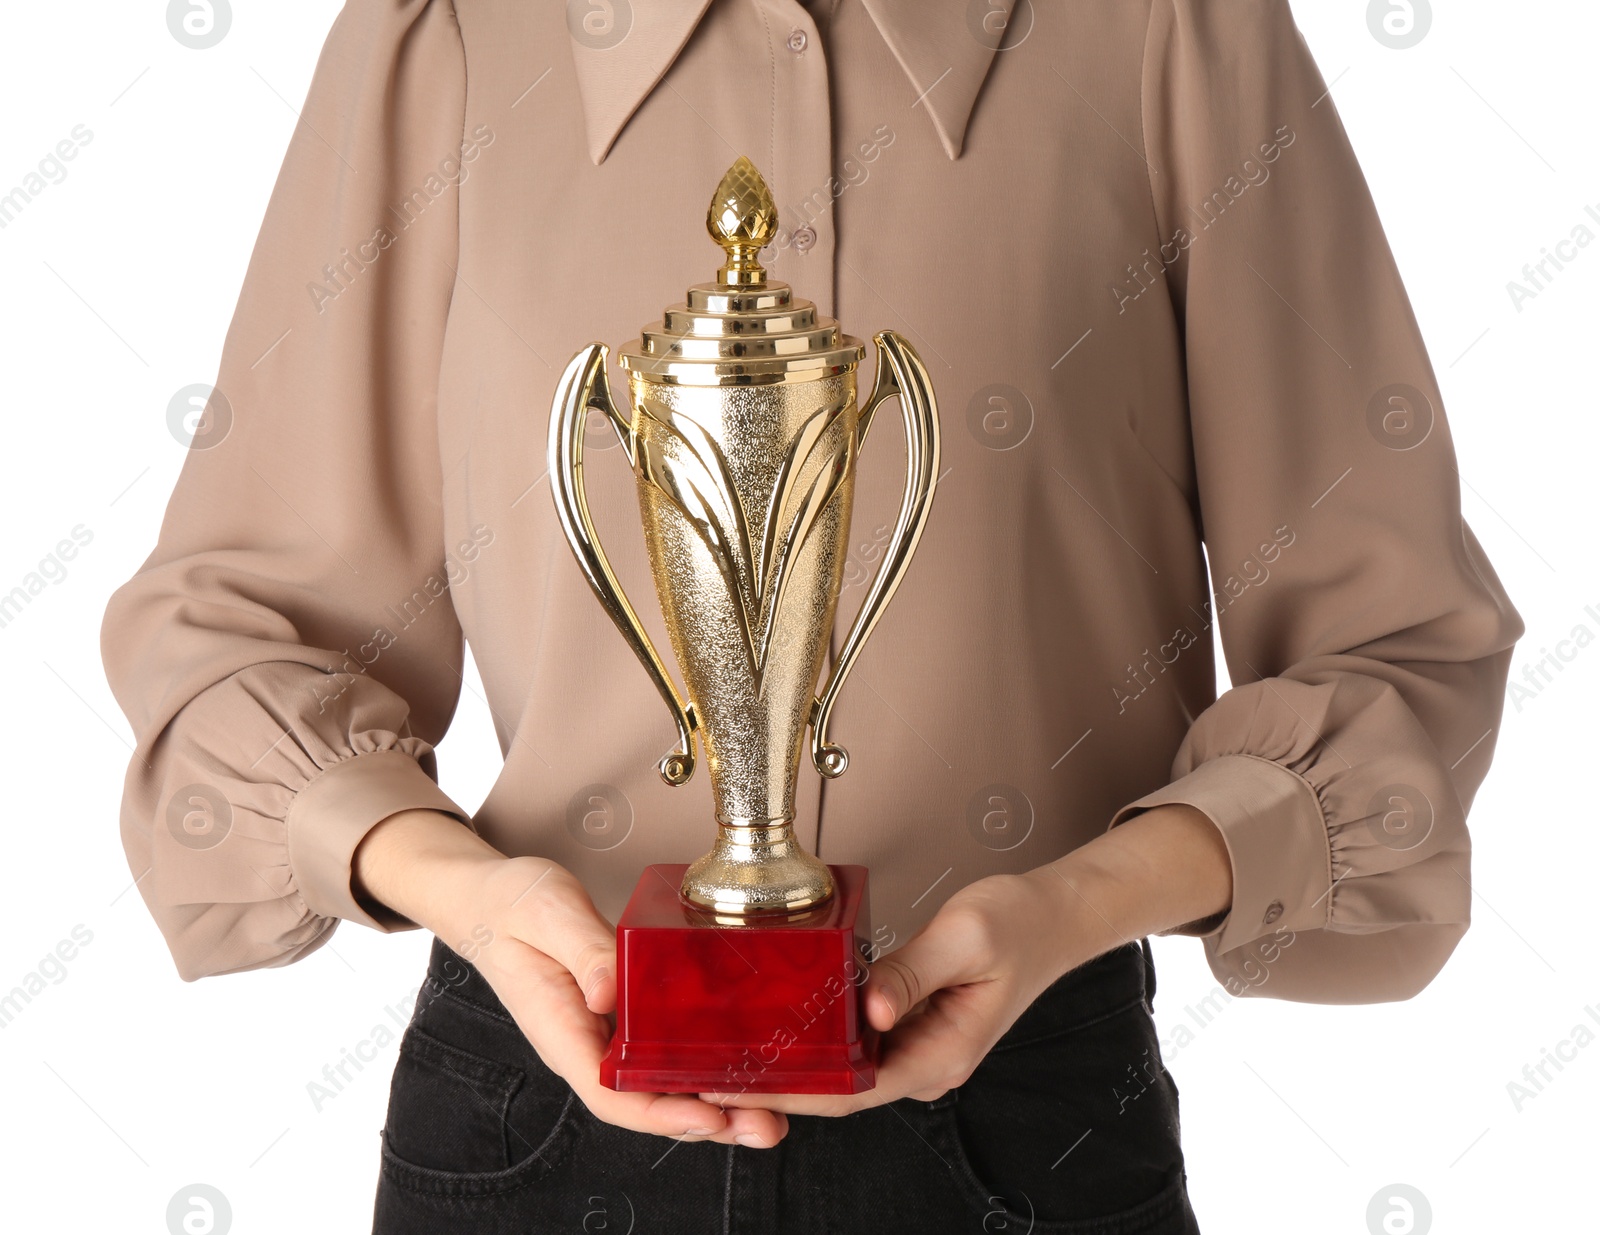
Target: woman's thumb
(907, 976)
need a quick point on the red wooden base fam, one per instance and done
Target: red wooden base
(772, 1005)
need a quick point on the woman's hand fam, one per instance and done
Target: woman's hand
(946, 997)
(550, 957)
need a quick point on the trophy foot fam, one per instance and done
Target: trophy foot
(706, 1002)
(757, 869)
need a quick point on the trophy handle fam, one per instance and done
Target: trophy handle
(583, 386)
(900, 373)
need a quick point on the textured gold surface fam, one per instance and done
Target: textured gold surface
(757, 870)
(745, 496)
(743, 436)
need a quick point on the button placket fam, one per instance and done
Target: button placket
(802, 256)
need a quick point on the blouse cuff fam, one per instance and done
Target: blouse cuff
(328, 819)
(1277, 842)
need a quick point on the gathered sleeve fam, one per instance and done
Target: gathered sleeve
(289, 654)
(1369, 636)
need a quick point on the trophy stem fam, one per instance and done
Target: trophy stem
(757, 868)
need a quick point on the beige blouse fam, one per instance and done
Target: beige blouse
(1136, 253)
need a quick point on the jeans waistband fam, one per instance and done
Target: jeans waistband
(1104, 986)
(1110, 983)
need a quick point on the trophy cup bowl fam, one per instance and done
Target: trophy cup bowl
(743, 428)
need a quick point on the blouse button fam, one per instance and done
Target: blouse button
(1273, 913)
(797, 40)
(804, 238)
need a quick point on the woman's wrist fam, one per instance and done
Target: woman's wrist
(415, 864)
(1161, 869)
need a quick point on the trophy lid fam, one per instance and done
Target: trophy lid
(743, 329)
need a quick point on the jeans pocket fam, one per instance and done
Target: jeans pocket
(463, 1122)
(448, 1108)
(1074, 1134)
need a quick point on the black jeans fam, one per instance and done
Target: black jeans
(1069, 1125)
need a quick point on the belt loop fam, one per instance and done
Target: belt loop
(1149, 975)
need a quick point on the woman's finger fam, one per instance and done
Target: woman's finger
(830, 1105)
(933, 1052)
(926, 1050)
(543, 998)
(927, 1055)
(562, 922)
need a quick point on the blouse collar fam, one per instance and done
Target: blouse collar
(943, 59)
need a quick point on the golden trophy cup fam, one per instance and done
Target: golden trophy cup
(743, 430)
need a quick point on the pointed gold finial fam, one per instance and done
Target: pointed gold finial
(743, 220)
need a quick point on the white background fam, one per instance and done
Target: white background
(123, 1084)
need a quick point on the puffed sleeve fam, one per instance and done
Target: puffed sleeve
(1369, 635)
(289, 653)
